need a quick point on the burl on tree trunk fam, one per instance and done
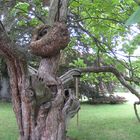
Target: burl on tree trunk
(49, 107)
(48, 115)
(39, 100)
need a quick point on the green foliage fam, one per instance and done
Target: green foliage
(96, 27)
(20, 17)
(21, 8)
(102, 27)
(134, 18)
(129, 49)
(136, 41)
(79, 63)
(136, 67)
(137, 1)
(34, 21)
(28, 15)
(93, 78)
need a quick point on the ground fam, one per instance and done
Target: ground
(96, 122)
(106, 122)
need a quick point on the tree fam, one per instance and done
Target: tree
(96, 26)
(39, 101)
(4, 82)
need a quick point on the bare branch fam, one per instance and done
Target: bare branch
(53, 11)
(135, 109)
(92, 17)
(63, 10)
(118, 75)
(58, 11)
(16, 68)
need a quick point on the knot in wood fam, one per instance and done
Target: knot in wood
(48, 41)
(30, 95)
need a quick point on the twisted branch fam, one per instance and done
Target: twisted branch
(135, 109)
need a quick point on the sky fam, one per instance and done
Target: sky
(134, 32)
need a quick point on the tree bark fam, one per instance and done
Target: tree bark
(39, 100)
(4, 82)
(135, 109)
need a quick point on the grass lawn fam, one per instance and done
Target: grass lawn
(8, 127)
(96, 122)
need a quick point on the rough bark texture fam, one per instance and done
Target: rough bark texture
(135, 109)
(48, 41)
(39, 100)
(17, 79)
(50, 119)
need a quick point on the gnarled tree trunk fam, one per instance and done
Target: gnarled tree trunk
(39, 101)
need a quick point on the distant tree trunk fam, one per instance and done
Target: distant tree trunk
(39, 101)
(4, 83)
(110, 87)
(5, 89)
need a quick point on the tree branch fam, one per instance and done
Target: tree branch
(53, 12)
(58, 11)
(118, 75)
(92, 17)
(16, 69)
(63, 10)
(135, 109)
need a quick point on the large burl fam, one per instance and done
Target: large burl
(48, 41)
(50, 116)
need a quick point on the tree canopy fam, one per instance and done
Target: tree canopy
(100, 35)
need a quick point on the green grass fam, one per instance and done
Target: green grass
(96, 122)
(106, 122)
(8, 127)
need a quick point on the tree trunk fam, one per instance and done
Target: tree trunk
(5, 88)
(48, 121)
(39, 101)
(4, 83)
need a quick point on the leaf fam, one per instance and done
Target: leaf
(134, 18)
(23, 6)
(78, 63)
(34, 22)
(137, 1)
(22, 23)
